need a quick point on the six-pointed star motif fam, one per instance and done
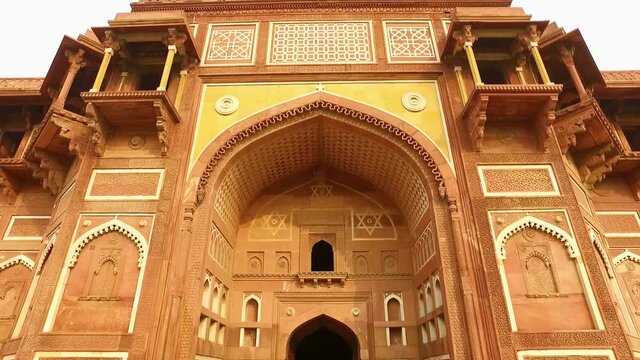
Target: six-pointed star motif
(369, 221)
(274, 222)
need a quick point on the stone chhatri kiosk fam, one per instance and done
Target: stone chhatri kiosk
(302, 180)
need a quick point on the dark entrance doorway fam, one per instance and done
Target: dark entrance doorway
(322, 256)
(323, 338)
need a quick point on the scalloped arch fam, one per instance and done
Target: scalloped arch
(535, 223)
(112, 225)
(626, 255)
(19, 259)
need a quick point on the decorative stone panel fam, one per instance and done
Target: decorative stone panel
(619, 223)
(230, 44)
(325, 42)
(26, 227)
(518, 180)
(567, 354)
(43, 355)
(410, 42)
(125, 184)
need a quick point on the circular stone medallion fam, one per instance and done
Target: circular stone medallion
(227, 105)
(414, 102)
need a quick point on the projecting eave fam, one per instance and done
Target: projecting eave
(620, 85)
(21, 91)
(585, 64)
(259, 5)
(136, 27)
(60, 64)
(489, 29)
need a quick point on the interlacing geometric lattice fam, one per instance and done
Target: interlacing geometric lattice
(231, 44)
(321, 43)
(410, 41)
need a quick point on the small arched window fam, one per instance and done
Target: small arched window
(251, 310)
(322, 256)
(438, 293)
(421, 311)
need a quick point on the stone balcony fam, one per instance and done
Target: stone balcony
(534, 104)
(108, 109)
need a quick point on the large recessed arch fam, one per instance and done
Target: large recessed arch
(307, 107)
(402, 159)
(310, 118)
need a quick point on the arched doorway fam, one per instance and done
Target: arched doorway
(323, 338)
(322, 256)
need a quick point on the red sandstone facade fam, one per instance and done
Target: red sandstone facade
(321, 180)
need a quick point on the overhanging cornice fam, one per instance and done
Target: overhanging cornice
(241, 6)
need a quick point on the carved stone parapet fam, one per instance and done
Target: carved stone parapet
(130, 109)
(322, 278)
(534, 104)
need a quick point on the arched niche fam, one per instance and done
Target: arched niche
(117, 258)
(541, 268)
(627, 270)
(15, 274)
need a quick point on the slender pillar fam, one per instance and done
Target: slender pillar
(461, 87)
(533, 46)
(76, 62)
(108, 53)
(473, 64)
(567, 58)
(183, 76)
(167, 68)
(521, 61)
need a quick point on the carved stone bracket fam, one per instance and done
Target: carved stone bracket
(8, 187)
(100, 129)
(476, 121)
(571, 121)
(322, 278)
(74, 128)
(162, 124)
(50, 168)
(595, 163)
(545, 120)
(177, 39)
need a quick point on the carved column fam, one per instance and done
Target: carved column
(167, 68)
(110, 45)
(566, 54)
(461, 87)
(530, 40)
(76, 62)
(521, 61)
(465, 40)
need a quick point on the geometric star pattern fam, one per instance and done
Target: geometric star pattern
(231, 44)
(274, 222)
(321, 192)
(369, 221)
(410, 42)
(326, 42)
